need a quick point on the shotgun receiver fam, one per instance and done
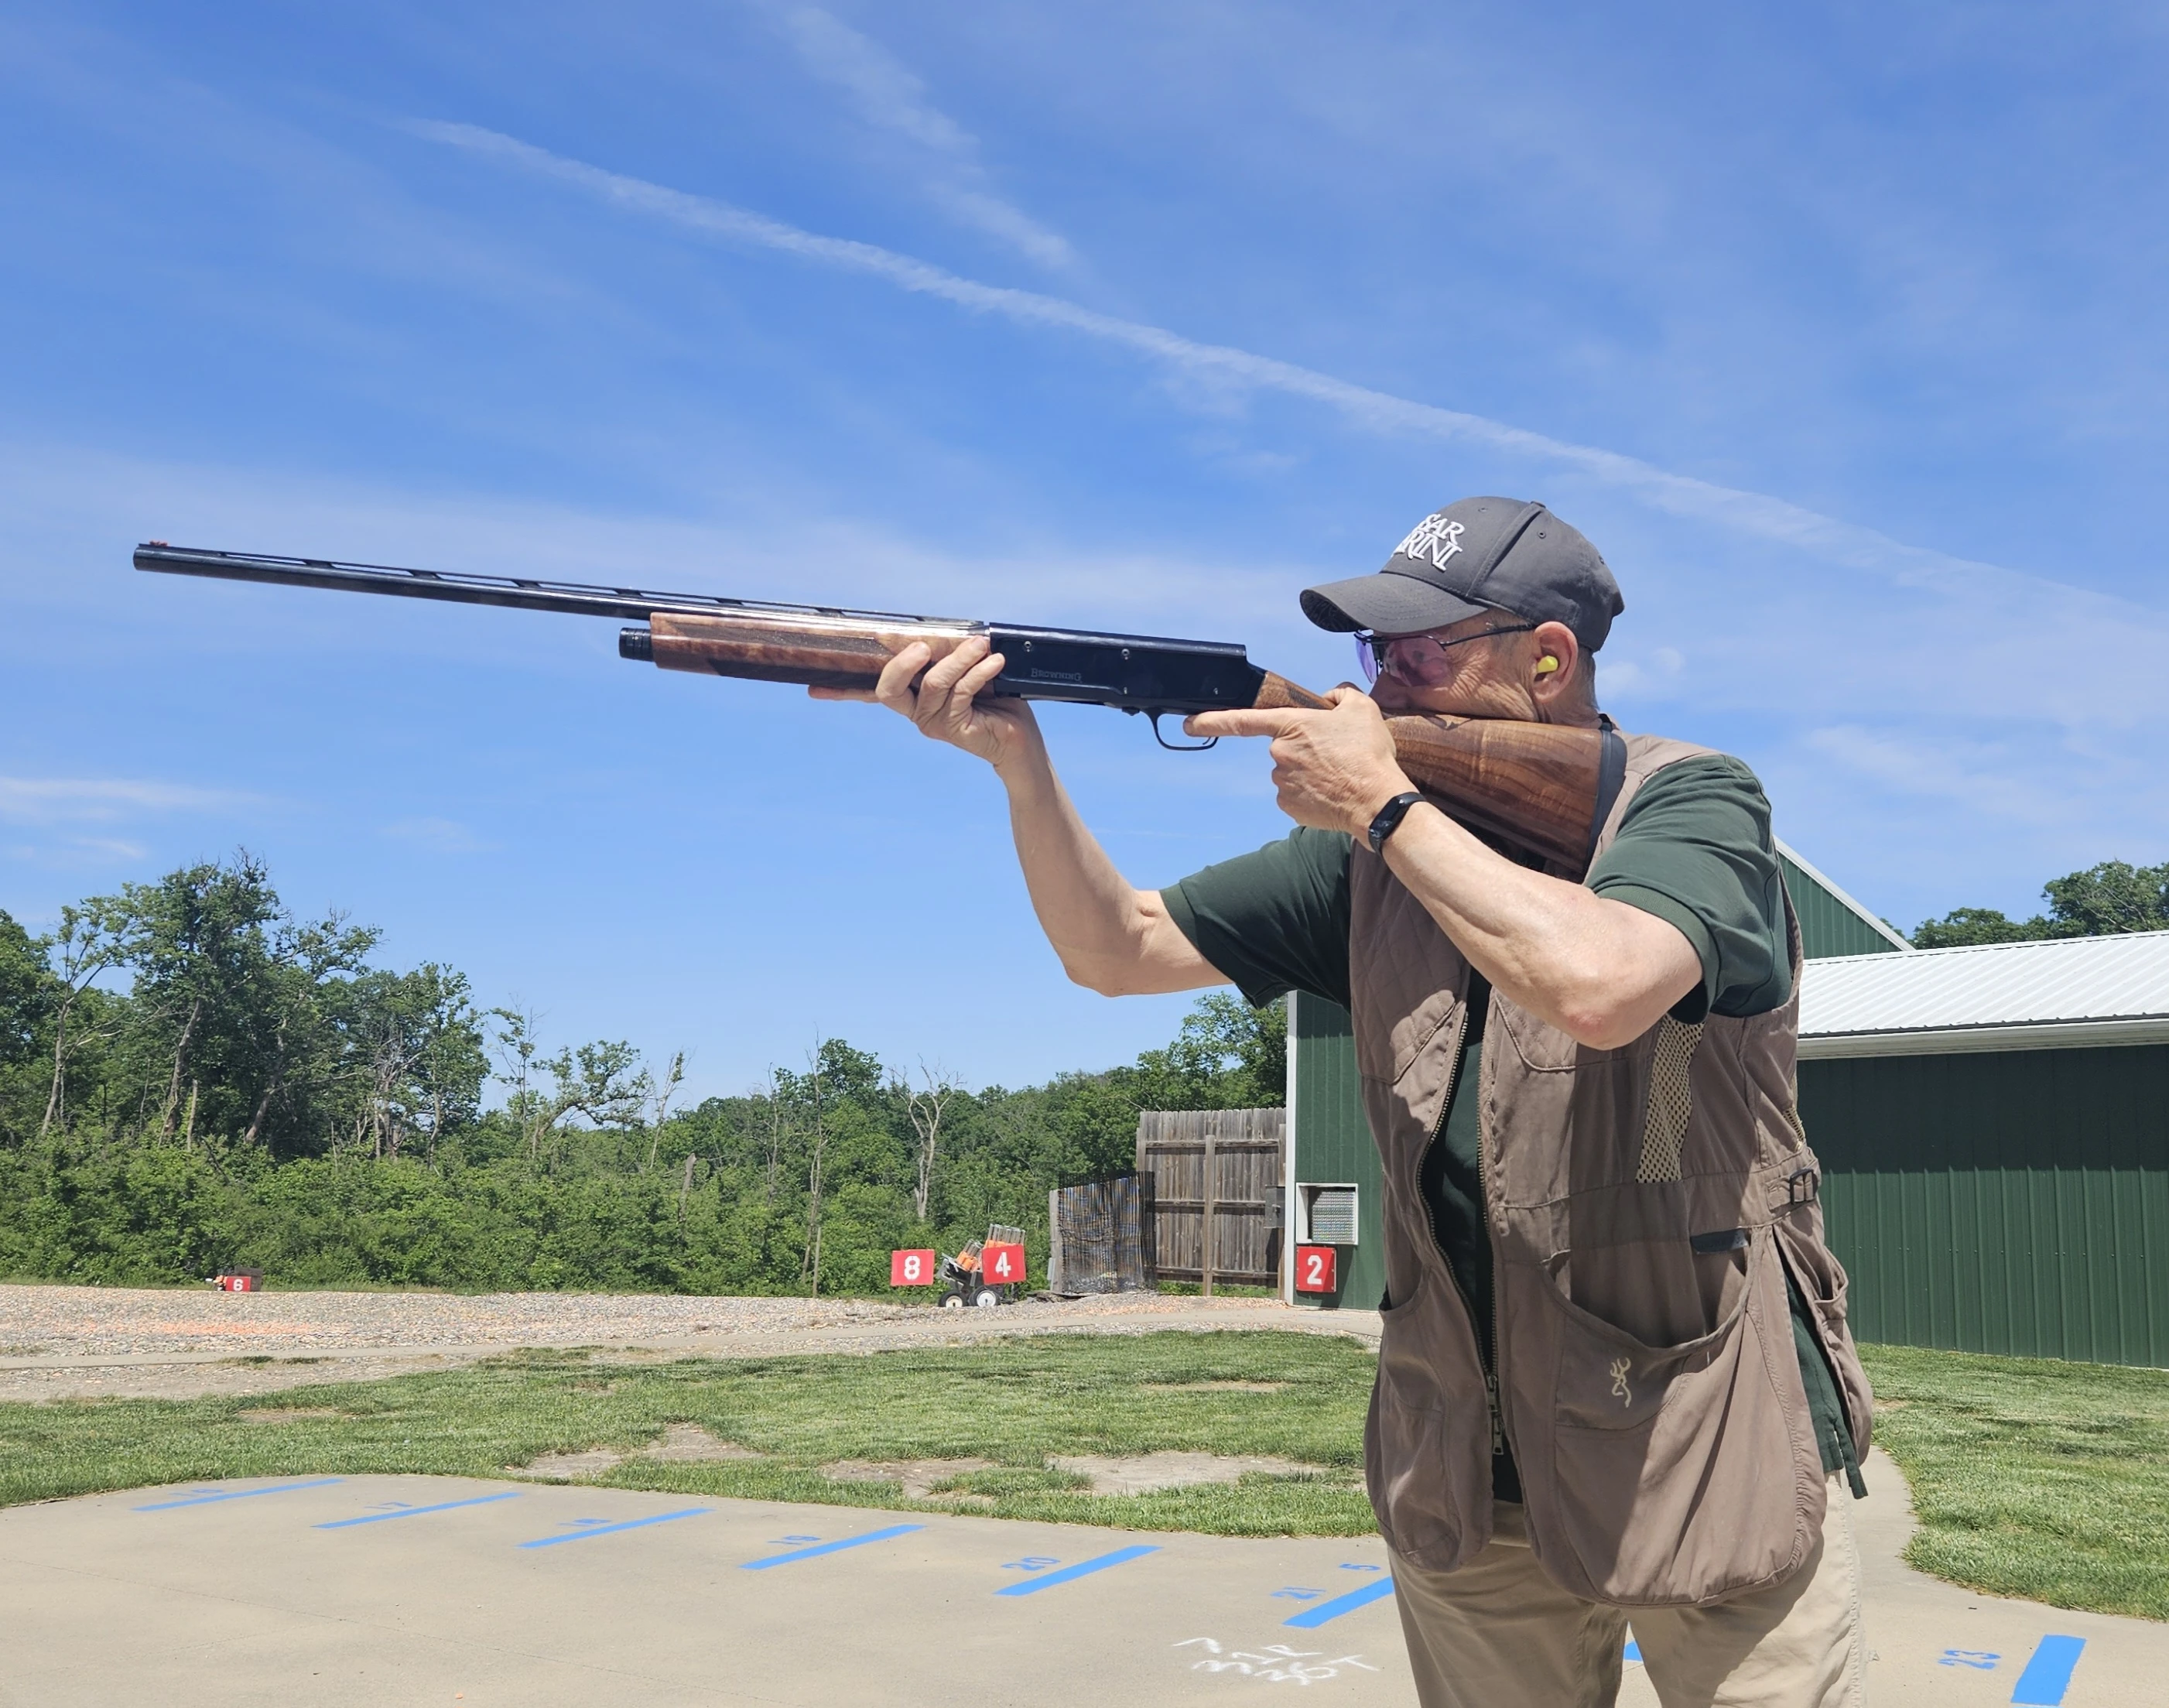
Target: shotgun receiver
(1545, 788)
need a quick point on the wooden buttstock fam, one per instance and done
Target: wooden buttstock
(844, 653)
(1536, 785)
(1277, 693)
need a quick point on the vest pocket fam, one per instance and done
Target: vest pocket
(1416, 1435)
(1665, 1467)
(1823, 1283)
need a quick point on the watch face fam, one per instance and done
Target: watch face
(1390, 819)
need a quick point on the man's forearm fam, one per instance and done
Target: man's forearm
(1111, 937)
(1601, 971)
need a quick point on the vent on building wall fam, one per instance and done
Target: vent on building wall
(1328, 1214)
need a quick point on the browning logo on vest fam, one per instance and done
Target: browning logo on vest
(1643, 1223)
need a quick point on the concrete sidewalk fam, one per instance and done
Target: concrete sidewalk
(371, 1590)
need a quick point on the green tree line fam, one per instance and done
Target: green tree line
(2101, 901)
(193, 1078)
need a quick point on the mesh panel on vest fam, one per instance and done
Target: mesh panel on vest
(1671, 1101)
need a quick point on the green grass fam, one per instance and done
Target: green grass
(2044, 1480)
(2032, 1478)
(1016, 1403)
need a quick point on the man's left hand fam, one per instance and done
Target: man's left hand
(1334, 769)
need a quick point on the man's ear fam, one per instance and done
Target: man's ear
(1554, 662)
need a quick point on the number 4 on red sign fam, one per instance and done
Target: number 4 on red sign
(1002, 1264)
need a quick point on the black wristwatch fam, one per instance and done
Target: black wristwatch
(1390, 819)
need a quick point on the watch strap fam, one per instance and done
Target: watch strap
(1390, 819)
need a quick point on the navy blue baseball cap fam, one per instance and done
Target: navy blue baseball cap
(1478, 554)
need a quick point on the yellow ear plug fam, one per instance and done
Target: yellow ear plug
(1547, 664)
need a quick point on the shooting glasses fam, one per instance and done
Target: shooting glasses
(1419, 660)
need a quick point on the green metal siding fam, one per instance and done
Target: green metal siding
(2010, 1202)
(1335, 1143)
(1828, 925)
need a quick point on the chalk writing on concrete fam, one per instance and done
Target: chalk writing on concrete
(1276, 1663)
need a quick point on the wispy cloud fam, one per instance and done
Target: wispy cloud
(101, 800)
(1917, 765)
(437, 836)
(889, 96)
(1984, 601)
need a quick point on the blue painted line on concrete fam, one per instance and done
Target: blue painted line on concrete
(1634, 1650)
(1326, 1611)
(2048, 1674)
(612, 1530)
(1083, 1568)
(239, 1494)
(511, 1494)
(832, 1547)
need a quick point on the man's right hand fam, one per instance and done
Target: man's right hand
(945, 705)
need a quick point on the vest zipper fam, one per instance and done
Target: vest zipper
(1491, 1342)
(1487, 1330)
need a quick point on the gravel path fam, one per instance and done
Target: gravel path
(59, 1343)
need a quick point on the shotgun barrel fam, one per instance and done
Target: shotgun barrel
(1544, 788)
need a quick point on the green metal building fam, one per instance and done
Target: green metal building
(1993, 1125)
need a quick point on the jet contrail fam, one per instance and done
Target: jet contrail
(1752, 513)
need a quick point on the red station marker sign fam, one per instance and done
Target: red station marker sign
(1001, 1266)
(1314, 1268)
(911, 1269)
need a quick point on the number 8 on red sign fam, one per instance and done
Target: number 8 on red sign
(910, 1268)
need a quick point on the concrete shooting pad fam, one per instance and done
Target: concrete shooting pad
(411, 1589)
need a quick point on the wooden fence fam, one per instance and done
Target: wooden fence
(1214, 1172)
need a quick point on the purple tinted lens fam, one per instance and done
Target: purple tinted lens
(1367, 655)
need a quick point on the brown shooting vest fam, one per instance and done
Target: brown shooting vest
(1644, 1204)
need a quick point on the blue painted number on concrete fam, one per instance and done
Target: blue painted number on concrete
(1980, 1660)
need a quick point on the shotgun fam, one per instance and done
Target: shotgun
(1542, 788)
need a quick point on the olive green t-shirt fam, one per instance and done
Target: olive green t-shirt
(1694, 849)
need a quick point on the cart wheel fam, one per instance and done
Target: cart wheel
(987, 1298)
(952, 1301)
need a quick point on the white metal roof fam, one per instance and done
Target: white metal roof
(2065, 993)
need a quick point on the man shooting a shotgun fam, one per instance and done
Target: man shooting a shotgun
(1615, 1376)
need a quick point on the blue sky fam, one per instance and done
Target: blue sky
(1841, 331)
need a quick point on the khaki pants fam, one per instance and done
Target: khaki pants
(1500, 1634)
